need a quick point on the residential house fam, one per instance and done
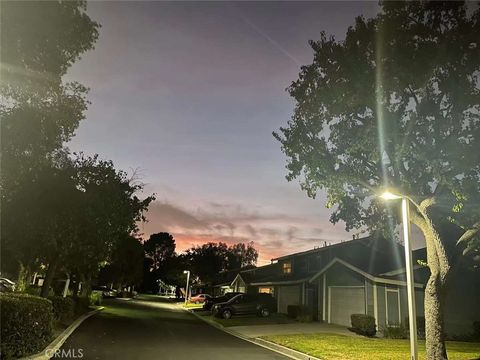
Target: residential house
(361, 276)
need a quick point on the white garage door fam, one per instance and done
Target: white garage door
(288, 295)
(345, 301)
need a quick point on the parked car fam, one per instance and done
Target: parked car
(106, 292)
(246, 304)
(199, 299)
(6, 285)
(208, 304)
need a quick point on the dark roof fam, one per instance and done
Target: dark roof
(373, 254)
(226, 277)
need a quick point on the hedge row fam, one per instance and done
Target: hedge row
(363, 324)
(300, 313)
(63, 308)
(27, 321)
(26, 324)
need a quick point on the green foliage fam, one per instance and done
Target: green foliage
(32, 290)
(395, 332)
(420, 326)
(126, 263)
(39, 113)
(365, 118)
(26, 324)
(159, 248)
(63, 308)
(476, 330)
(363, 324)
(95, 298)
(82, 304)
(298, 312)
(209, 259)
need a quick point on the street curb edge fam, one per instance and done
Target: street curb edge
(60, 339)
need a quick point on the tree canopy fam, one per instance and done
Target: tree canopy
(396, 104)
(209, 259)
(60, 210)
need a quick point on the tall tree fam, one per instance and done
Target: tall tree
(38, 111)
(111, 209)
(126, 263)
(159, 248)
(396, 104)
(207, 260)
(241, 255)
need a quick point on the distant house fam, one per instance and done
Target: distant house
(361, 276)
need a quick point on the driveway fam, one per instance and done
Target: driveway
(152, 328)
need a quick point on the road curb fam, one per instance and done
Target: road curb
(292, 354)
(60, 339)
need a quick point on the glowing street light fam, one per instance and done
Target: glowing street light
(412, 312)
(186, 288)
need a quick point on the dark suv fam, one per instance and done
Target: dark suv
(245, 304)
(219, 299)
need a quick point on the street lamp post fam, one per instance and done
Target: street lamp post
(412, 313)
(186, 289)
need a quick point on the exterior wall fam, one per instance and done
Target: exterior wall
(339, 276)
(462, 303)
(239, 285)
(288, 295)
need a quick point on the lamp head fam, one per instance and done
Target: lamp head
(387, 195)
(186, 271)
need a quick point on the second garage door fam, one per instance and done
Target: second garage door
(344, 301)
(288, 295)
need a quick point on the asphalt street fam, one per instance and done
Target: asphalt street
(151, 328)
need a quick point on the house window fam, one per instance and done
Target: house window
(265, 290)
(287, 267)
(392, 297)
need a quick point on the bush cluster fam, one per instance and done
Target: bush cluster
(363, 324)
(82, 304)
(301, 313)
(95, 298)
(26, 324)
(63, 308)
(395, 332)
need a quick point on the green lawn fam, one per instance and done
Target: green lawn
(330, 346)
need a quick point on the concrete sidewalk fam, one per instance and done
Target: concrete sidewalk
(255, 331)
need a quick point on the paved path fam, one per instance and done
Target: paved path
(150, 328)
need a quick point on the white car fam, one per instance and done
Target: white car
(6, 285)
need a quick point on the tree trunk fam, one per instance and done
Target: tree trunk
(434, 306)
(52, 267)
(23, 277)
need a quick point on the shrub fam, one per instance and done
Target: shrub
(420, 327)
(363, 324)
(82, 304)
(26, 324)
(476, 330)
(95, 298)
(395, 332)
(306, 318)
(296, 311)
(63, 308)
(33, 290)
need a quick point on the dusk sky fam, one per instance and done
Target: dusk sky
(188, 94)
